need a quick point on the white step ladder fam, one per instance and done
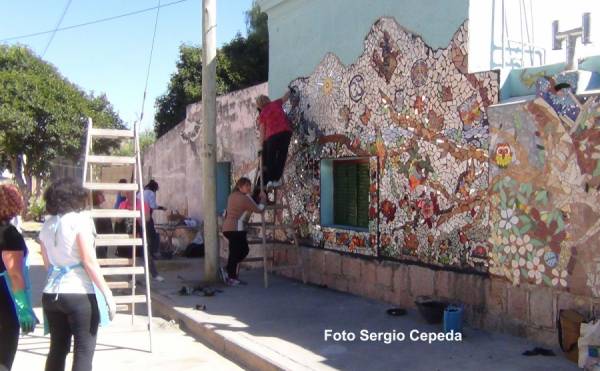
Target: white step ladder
(268, 247)
(120, 266)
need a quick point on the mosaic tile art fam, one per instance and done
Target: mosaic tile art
(544, 188)
(421, 119)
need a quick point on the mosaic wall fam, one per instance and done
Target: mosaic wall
(421, 118)
(544, 188)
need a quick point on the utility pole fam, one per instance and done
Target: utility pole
(209, 150)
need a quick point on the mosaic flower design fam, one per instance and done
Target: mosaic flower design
(535, 269)
(559, 277)
(509, 219)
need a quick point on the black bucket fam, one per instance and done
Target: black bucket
(432, 310)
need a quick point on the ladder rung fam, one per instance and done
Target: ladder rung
(127, 241)
(111, 186)
(119, 284)
(285, 267)
(122, 270)
(271, 226)
(258, 241)
(111, 133)
(116, 261)
(114, 213)
(123, 307)
(255, 259)
(275, 207)
(128, 299)
(111, 160)
(112, 236)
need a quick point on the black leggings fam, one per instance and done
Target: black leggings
(71, 315)
(9, 329)
(238, 250)
(274, 155)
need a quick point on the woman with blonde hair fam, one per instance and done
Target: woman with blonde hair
(240, 207)
(275, 135)
(15, 300)
(76, 298)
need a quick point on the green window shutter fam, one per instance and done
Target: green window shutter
(362, 203)
(351, 193)
(344, 193)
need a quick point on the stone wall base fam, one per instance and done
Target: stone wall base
(491, 303)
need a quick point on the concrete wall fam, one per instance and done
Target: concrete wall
(174, 161)
(301, 32)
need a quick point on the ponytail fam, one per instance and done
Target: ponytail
(240, 183)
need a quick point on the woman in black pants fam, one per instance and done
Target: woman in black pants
(240, 207)
(15, 302)
(275, 135)
(76, 297)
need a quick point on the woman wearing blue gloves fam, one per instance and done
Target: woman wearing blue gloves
(76, 298)
(15, 299)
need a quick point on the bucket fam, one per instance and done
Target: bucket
(453, 318)
(432, 310)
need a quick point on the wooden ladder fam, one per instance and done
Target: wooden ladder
(120, 266)
(268, 246)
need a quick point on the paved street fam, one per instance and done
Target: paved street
(122, 346)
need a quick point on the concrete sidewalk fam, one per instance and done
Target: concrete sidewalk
(121, 345)
(283, 327)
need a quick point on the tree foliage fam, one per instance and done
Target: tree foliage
(43, 115)
(242, 62)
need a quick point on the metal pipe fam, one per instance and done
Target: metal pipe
(209, 116)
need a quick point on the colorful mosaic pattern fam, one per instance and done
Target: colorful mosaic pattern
(421, 118)
(544, 189)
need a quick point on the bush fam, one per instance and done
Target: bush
(37, 208)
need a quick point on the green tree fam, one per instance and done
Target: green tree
(242, 62)
(43, 116)
(147, 138)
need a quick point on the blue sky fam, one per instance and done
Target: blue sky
(112, 57)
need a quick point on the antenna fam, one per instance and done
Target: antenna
(570, 36)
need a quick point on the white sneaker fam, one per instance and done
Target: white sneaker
(274, 184)
(232, 282)
(159, 278)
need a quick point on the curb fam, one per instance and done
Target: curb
(243, 351)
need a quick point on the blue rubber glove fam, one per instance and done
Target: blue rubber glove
(27, 318)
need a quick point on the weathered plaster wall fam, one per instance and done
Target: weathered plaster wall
(175, 159)
(302, 31)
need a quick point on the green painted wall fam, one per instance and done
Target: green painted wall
(301, 32)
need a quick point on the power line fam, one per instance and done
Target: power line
(150, 61)
(92, 22)
(62, 16)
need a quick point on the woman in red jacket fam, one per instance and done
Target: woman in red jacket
(275, 135)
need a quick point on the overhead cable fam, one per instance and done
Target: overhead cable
(62, 16)
(92, 22)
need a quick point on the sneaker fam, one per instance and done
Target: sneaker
(276, 184)
(159, 278)
(269, 185)
(232, 282)
(223, 276)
